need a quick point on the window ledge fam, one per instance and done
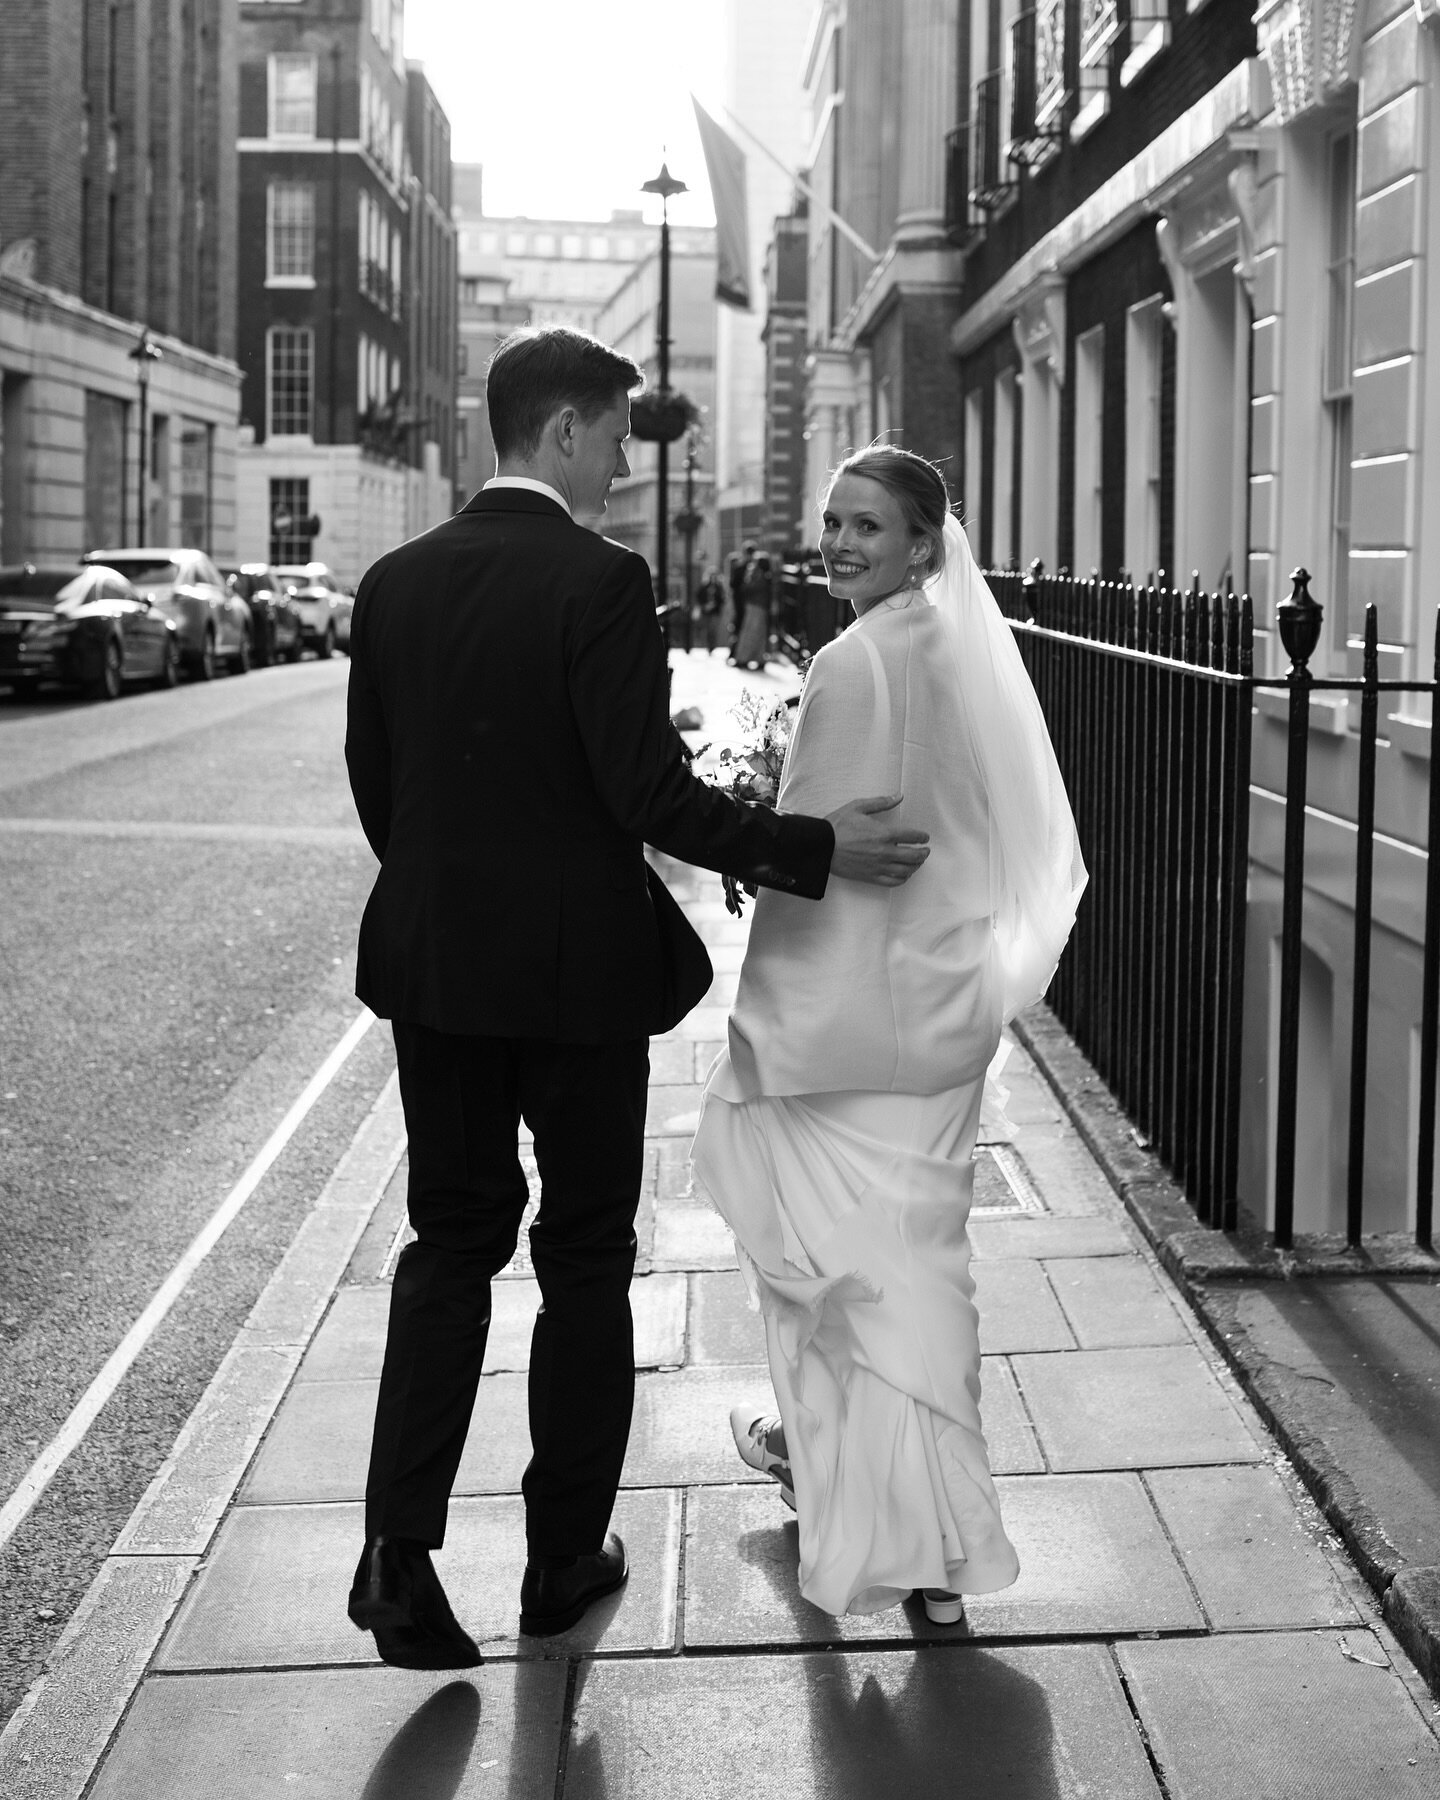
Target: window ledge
(1412, 737)
(1328, 712)
(1089, 115)
(1144, 51)
(289, 281)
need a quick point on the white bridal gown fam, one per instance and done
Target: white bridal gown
(838, 1127)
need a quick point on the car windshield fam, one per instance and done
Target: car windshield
(40, 584)
(146, 571)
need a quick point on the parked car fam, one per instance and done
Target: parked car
(276, 631)
(213, 623)
(325, 606)
(85, 627)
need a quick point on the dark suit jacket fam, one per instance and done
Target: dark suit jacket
(510, 752)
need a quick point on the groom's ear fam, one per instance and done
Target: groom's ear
(562, 427)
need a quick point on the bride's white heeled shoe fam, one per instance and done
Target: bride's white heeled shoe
(942, 1607)
(751, 1432)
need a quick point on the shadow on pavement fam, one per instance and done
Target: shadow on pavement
(427, 1757)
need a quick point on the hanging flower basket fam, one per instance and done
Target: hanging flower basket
(661, 418)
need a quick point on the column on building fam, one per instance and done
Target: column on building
(1040, 338)
(1205, 244)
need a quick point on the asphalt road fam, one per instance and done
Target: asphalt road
(181, 878)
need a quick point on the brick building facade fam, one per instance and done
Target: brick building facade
(347, 280)
(117, 217)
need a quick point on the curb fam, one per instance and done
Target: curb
(57, 1735)
(1195, 1257)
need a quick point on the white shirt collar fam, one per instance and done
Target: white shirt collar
(535, 487)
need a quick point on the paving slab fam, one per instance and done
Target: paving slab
(350, 1345)
(1131, 1409)
(1093, 1560)
(1018, 1309)
(672, 1059)
(689, 1234)
(1114, 1301)
(680, 1433)
(333, 1734)
(723, 1326)
(273, 1590)
(1038, 1723)
(1009, 1436)
(1239, 1535)
(993, 1239)
(1281, 1716)
(319, 1445)
(673, 1111)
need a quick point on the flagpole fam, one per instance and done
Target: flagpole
(843, 226)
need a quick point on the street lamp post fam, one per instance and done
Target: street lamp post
(142, 356)
(664, 184)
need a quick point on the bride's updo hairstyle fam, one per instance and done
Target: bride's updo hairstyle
(916, 484)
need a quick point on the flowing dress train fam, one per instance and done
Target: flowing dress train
(837, 1134)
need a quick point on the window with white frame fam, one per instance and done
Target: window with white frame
(1089, 402)
(292, 95)
(1002, 478)
(290, 378)
(1339, 370)
(1144, 345)
(290, 234)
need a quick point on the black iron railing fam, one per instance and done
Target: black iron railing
(1149, 694)
(991, 182)
(959, 227)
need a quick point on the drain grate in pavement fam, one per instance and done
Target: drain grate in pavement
(1003, 1184)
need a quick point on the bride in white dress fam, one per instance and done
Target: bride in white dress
(838, 1127)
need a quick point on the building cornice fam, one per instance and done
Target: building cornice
(34, 300)
(325, 147)
(1144, 186)
(907, 267)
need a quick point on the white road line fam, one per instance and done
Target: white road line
(43, 1470)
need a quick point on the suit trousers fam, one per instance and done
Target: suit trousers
(464, 1098)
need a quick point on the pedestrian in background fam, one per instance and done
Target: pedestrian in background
(755, 586)
(713, 596)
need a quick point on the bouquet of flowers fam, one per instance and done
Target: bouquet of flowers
(751, 770)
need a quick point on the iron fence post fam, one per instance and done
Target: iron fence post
(1429, 996)
(1364, 897)
(1299, 621)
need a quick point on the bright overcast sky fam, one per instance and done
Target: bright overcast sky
(570, 104)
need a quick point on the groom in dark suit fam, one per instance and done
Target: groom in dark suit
(511, 754)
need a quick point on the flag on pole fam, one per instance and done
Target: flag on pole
(725, 165)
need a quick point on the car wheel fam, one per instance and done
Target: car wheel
(107, 685)
(203, 667)
(264, 652)
(240, 661)
(169, 674)
(296, 650)
(327, 643)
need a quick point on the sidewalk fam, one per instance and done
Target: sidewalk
(1184, 1624)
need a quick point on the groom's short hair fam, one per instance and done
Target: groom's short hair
(539, 370)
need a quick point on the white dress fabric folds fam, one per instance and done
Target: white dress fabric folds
(838, 1127)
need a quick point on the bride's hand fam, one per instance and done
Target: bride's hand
(870, 848)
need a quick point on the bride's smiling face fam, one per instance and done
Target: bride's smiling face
(868, 550)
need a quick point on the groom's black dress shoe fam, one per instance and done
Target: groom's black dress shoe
(553, 1600)
(397, 1595)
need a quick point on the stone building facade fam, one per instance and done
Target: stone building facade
(1151, 281)
(117, 218)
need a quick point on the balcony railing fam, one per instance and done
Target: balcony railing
(960, 227)
(1149, 694)
(1033, 130)
(991, 183)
